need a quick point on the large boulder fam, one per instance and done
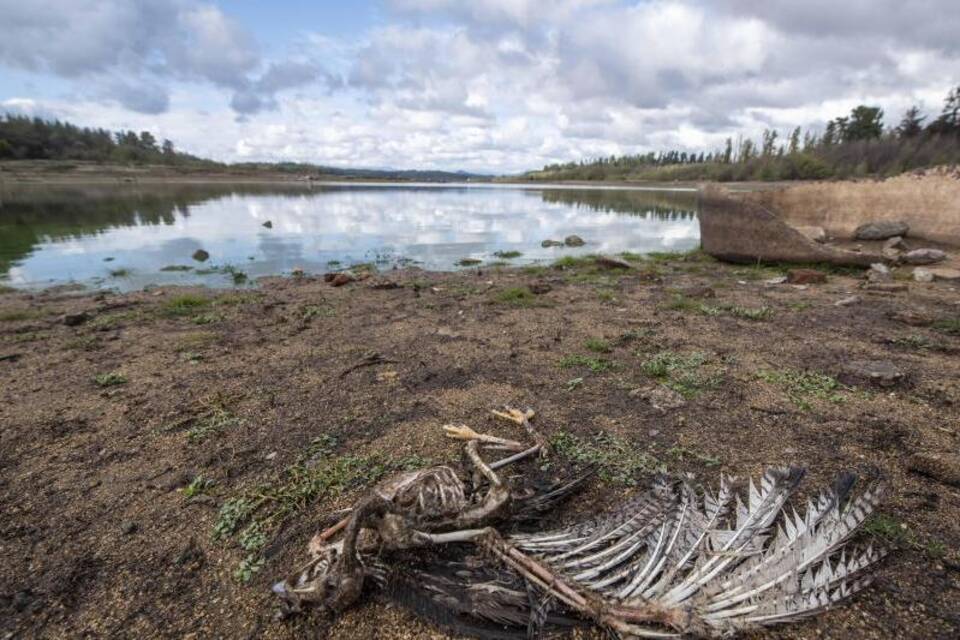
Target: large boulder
(881, 230)
(574, 241)
(877, 373)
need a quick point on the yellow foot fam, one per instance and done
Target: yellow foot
(460, 432)
(515, 415)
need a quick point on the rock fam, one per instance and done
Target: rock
(896, 243)
(574, 241)
(271, 456)
(912, 317)
(268, 224)
(128, 527)
(879, 272)
(75, 319)
(881, 230)
(846, 302)
(817, 234)
(341, 279)
(609, 262)
(878, 373)
(661, 398)
(943, 468)
(944, 273)
(200, 255)
(924, 256)
(328, 277)
(885, 287)
(806, 276)
(540, 288)
(551, 243)
(777, 280)
(922, 275)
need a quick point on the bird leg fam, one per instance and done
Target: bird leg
(523, 419)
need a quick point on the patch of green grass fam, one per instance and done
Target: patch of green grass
(801, 386)
(176, 267)
(468, 262)
(198, 486)
(507, 255)
(798, 306)
(693, 255)
(914, 341)
(119, 273)
(893, 533)
(617, 461)
(184, 305)
(573, 383)
(683, 453)
(110, 379)
(207, 318)
(598, 345)
(238, 276)
(574, 262)
(196, 340)
(213, 421)
(83, 343)
(19, 315)
(254, 515)
(535, 270)
(630, 256)
(312, 311)
(685, 304)
(595, 365)
(607, 295)
(498, 263)
(516, 296)
(682, 372)
(950, 326)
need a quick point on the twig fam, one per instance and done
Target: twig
(369, 361)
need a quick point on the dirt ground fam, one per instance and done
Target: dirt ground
(106, 425)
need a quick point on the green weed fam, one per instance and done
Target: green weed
(212, 422)
(207, 318)
(119, 273)
(176, 267)
(800, 386)
(618, 461)
(184, 305)
(516, 296)
(950, 326)
(312, 311)
(468, 262)
(18, 315)
(596, 365)
(598, 345)
(682, 453)
(110, 379)
(682, 372)
(891, 532)
(507, 255)
(198, 486)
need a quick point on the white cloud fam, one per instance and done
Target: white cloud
(493, 85)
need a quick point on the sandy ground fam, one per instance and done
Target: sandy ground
(99, 538)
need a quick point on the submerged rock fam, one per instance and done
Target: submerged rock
(924, 256)
(551, 243)
(574, 241)
(268, 224)
(200, 255)
(881, 230)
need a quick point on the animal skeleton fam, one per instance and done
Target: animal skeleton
(672, 561)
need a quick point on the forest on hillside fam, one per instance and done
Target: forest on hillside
(857, 145)
(24, 138)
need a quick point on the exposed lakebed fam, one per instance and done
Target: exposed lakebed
(130, 236)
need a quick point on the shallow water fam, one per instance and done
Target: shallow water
(124, 237)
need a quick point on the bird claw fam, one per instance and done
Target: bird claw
(515, 415)
(460, 432)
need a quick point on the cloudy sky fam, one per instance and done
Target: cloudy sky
(486, 85)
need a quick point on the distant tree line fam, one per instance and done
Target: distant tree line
(24, 138)
(856, 145)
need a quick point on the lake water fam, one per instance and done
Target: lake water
(128, 237)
